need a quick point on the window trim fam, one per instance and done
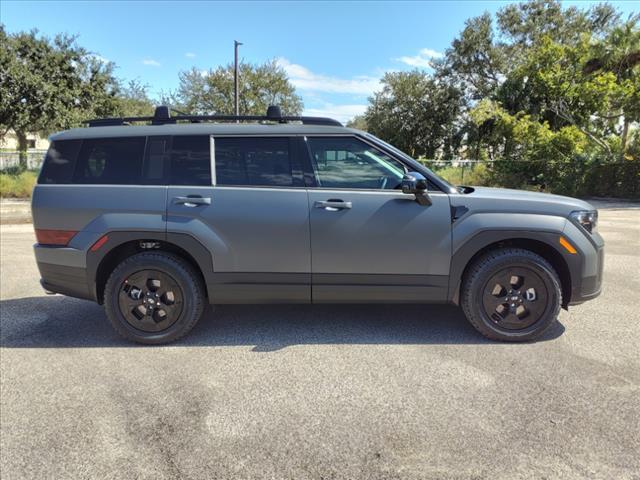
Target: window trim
(297, 165)
(212, 159)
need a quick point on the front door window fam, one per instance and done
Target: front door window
(346, 162)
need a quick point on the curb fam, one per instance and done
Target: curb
(15, 211)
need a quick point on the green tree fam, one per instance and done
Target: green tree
(51, 84)
(133, 100)
(358, 122)
(475, 62)
(416, 113)
(523, 25)
(618, 53)
(211, 92)
(548, 92)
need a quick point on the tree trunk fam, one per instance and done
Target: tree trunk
(624, 138)
(22, 148)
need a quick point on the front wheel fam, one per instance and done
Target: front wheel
(154, 298)
(511, 294)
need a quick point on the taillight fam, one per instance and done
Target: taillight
(54, 237)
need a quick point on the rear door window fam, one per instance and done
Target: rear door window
(191, 160)
(112, 161)
(254, 161)
(60, 162)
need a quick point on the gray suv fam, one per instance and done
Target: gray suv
(159, 219)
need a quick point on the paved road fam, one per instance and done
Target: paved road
(321, 392)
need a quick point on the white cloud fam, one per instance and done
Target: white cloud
(424, 58)
(306, 80)
(151, 62)
(190, 55)
(342, 113)
(100, 58)
(427, 52)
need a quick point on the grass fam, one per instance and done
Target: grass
(17, 185)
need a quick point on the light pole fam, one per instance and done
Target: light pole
(236, 44)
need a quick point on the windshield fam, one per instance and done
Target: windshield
(400, 153)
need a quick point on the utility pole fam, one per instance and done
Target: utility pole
(236, 44)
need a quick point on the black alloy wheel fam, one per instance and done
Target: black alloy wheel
(150, 300)
(515, 298)
(154, 297)
(511, 294)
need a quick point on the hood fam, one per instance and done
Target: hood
(509, 200)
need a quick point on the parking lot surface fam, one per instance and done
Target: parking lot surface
(372, 392)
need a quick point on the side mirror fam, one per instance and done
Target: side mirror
(415, 183)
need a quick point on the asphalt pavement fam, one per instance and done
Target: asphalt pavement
(321, 392)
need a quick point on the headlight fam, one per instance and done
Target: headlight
(587, 218)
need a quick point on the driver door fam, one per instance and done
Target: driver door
(369, 241)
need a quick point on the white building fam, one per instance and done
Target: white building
(34, 141)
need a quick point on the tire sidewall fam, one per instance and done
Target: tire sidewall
(168, 265)
(550, 280)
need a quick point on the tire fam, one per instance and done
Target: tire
(144, 286)
(511, 294)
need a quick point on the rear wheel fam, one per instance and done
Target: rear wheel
(154, 298)
(511, 294)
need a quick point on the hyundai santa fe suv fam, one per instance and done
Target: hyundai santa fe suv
(155, 217)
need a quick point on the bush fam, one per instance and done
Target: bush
(582, 177)
(477, 175)
(17, 186)
(578, 178)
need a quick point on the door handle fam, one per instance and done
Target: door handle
(333, 205)
(192, 201)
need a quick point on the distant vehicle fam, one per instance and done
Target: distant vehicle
(155, 221)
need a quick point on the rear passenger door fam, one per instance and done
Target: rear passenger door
(244, 199)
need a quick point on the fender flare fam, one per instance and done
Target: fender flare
(116, 239)
(465, 253)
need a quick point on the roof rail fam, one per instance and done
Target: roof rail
(162, 116)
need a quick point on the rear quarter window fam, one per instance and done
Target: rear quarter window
(60, 162)
(112, 161)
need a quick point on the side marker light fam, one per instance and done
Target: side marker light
(99, 243)
(567, 246)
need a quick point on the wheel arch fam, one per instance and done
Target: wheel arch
(541, 243)
(121, 245)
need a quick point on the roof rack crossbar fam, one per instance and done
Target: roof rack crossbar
(163, 117)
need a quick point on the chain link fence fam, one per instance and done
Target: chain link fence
(592, 177)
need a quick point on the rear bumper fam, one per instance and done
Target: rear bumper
(63, 270)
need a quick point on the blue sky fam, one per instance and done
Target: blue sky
(334, 52)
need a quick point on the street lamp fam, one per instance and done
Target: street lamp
(236, 44)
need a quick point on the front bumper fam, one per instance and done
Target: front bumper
(587, 274)
(589, 287)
